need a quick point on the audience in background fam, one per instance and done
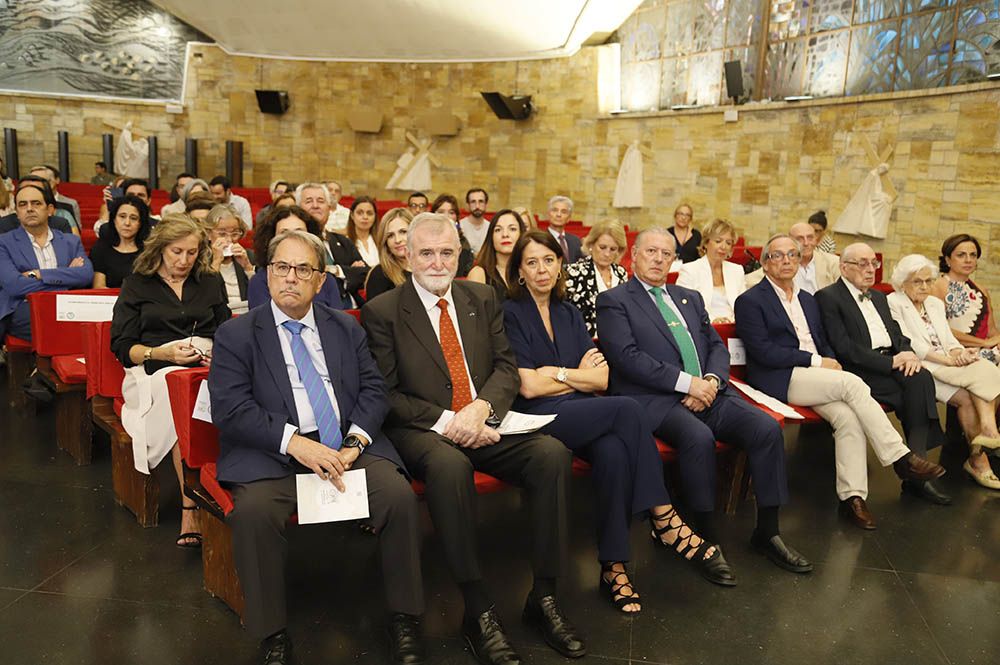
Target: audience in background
(417, 202)
(719, 281)
(339, 215)
(120, 241)
(151, 336)
(56, 222)
(101, 175)
(968, 305)
(199, 204)
(491, 264)
(229, 258)
(687, 237)
(276, 189)
(560, 209)
(474, 226)
(129, 187)
(222, 189)
(346, 264)
(817, 270)
(362, 225)
(65, 207)
(446, 204)
(598, 271)
(393, 267)
(186, 186)
(6, 200)
(824, 239)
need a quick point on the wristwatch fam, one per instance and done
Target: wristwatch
(355, 441)
(491, 420)
(148, 355)
(562, 375)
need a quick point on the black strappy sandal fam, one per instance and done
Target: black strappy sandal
(612, 588)
(182, 540)
(713, 568)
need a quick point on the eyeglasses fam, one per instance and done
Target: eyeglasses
(922, 282)
(303, 272)
(685, 215)
(232, 235)
(866, 264)
(778, 257)
(418, 206)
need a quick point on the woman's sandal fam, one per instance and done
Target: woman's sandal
(183, 540)
(614, 590)
(713, 568)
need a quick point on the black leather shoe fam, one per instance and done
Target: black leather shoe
(543, 613)
(488, 642)
(781, 554)
(406, 640)
(927, 491)
(717, 570)
(277, 650)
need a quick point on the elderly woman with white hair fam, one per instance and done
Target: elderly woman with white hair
(961, 377)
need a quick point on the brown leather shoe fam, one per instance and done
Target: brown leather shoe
(913, 467)
(855, 510)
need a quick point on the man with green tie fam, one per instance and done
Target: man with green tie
(664, 353)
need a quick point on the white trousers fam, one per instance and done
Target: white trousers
(846, 402)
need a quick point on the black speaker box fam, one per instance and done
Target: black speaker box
(734, 79)
(508, 108)
(272, 101)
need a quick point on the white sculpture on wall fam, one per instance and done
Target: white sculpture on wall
(628, 188)
(131, 154)
(413, 168)
(869, 210)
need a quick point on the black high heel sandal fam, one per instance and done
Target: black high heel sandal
(183, 539)
(713, 568)
(612, 588)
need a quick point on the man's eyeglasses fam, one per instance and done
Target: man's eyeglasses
(778, 257)
(865, 264)
(418, 206)
(281, 269)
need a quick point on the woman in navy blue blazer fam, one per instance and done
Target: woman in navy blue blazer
(560, 370)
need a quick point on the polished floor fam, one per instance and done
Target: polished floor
(81, 583)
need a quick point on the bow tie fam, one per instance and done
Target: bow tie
(867, 295)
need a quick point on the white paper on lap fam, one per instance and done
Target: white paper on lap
(766, 400)
(319, 501)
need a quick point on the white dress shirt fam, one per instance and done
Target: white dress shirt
(336, 221)
(310, 337)
(45, 254)
(793, 308)
(876, 327)
(475, 234)
(805, 277)
(368, 250)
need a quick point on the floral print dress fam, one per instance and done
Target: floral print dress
(969, 312)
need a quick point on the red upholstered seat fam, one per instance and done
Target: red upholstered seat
(69, 369)
(58, 338)
(210, 481)
(198, 440)
(356, 313)
(117, 406)
(104, 373)
(17, 345)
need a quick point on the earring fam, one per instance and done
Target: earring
(520, 280)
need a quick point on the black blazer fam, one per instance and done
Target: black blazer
(344, 254)
(848, 334)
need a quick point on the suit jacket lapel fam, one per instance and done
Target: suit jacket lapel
(777, 308)
(416, 319)
(469, 326)
(24, 242)
(267, 338)
(854, 307)
(645, 303)
(61, 249)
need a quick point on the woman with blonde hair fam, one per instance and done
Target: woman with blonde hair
(229, 258)
(165, 318)
(685, 234)
(597, 271)
(393, 267)
(718, 280)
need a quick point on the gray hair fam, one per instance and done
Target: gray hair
(654, 230)
(561, 199)
(223, 211)
(851, 250)
(194, 182)
(308, 239)
(313, 185)
(908, 266)
(426, 218)
(765, 254)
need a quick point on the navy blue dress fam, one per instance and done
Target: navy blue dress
(609, 432)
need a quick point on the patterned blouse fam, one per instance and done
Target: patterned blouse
(583, 284)
(969, 312)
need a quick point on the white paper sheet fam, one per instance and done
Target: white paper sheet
(82, 360)
(319, 501)
(737, 352)
(203, 404)
(85, 308)
(766, 400)
(522, 423)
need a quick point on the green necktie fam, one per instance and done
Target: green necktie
(689, 355)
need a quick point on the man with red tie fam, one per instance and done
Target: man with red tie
(452, 377)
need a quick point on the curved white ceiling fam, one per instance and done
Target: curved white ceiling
(404, 30)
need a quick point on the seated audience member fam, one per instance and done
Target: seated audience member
(191, 185)
(817, 270)
(445, 408)
(393, 267)
(136, 187)
(6, 201)
(198, 205)
(824, 238)
(34, 257)
(961, 377)
(665, 354)
(65, 207)
(222, 189)
(968, 305)
(868, 342)
(57, 223)
(362, 225)
(180, 182)
(101, 175)
(491, 264)
(120, 242)
(598, 271)
(474, 226)
(277, 188)
(336, 222)
(446, 204)
(789, 358)
(560, 209)
(417, 202)
(292, 218)
(527, 216)
(229, 258)
(560, 370)
(347, 264)
(718, 280)
(295, 352)
(687, 237)
(152, 336)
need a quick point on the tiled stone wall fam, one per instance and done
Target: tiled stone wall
(773, 167)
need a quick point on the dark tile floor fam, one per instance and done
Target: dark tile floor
(81, 583)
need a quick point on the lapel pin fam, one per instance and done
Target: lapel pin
(472, 313)
(684, 301)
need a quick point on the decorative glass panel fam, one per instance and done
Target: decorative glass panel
(784, 69)
(705, 79)
(642, 37)
(826, 64)
(788, 18)
(709, 25)
(924, 49)
(743, 23)
(977, 49)
(673, 85)
(867, 11)
(830, 15)
(678, 37)
(913, 6)
(871, 60)
(641, 86)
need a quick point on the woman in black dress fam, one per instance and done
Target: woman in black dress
(120, 242)
(494, 256)
(687, 236)
(393, 267)
(560, 371)
(165, 319)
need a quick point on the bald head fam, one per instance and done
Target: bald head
(858, 265)
(804, 234)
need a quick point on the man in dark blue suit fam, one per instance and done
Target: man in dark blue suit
(560, 209)
(664, 353)
(295, 389)
(35, 257)
(789, 357)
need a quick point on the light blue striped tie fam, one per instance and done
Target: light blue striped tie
(319, 400)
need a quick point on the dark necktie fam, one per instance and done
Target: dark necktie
(867, 295)
(461, 392)
(565, 246)
(326, 417)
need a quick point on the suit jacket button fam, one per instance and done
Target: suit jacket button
(448, 386)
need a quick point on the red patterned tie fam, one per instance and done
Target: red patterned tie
(461, 392)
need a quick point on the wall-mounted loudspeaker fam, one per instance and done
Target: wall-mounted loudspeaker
(508, 108)
(272, 101)
(734, 80)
